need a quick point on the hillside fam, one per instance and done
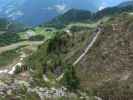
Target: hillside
(111, 11)
(126, 3)
(77, 56)
(108, 64)
(35, 12)
(8, 26)
(76, 15)
(59, 49)
(8, 30)
(106, 68)
(71, 16)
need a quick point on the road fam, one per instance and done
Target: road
(16, 45)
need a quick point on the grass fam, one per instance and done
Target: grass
(45, 32)
(22, 35)
(38, 31)
(7, 39)
(8, 57)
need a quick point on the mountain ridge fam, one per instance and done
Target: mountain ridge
(78, 15)
(27, 11)
(126, 3)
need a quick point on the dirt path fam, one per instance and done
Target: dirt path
(85, 51)
(88, 47)
(11, 67)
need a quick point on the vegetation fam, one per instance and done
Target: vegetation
(6, 39)
(107, 67)
(103, 62)
(46, 59)
(37, 38)
(75, 15)
(113, 11)
(11, 26)
(56, 52)
(72, 15)
(70, 79)
(3, 24)
(8, 57)
(8, 32)
(77, 28)
(49, 61)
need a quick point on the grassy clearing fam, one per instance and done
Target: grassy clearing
(36, 34)
(7, 39)
(48, 33)
(22, 35)
(8, 57)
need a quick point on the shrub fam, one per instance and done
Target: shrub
(37, 38)
(70, 79)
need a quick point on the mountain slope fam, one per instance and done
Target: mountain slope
(113, 11)
(8, 31)
(76, 15)
(127, 3)
(108, 64)
(8, 26)
(35, 12)
(71, 16)
(106, 69)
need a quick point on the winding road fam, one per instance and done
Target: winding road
(16, 45)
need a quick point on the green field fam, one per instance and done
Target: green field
(35, 34)
(8, 57)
